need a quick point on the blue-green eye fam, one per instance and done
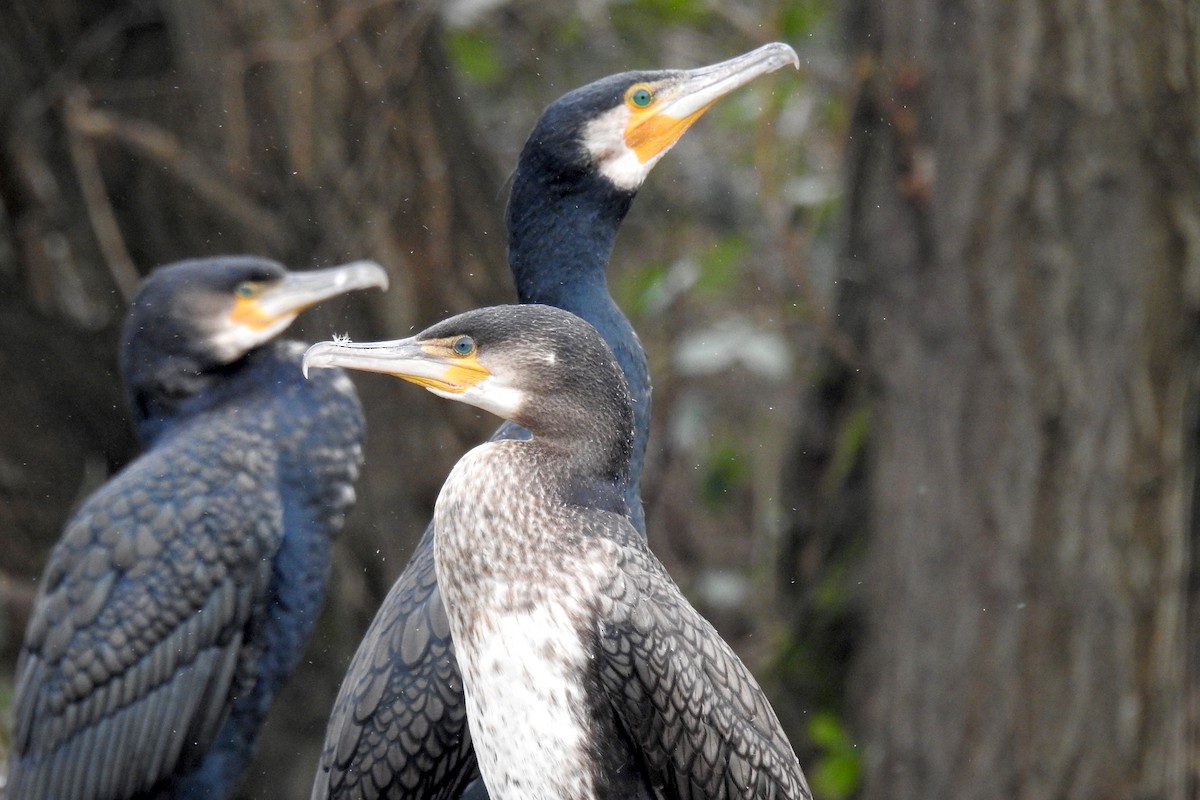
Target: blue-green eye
(464, 346)
(247, 290)
(641, 97)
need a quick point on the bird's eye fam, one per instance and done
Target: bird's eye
(464, 346)
(247, 290)
(641, 97)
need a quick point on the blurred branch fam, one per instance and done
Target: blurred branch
(307, 48)
(92, 42)
(747, 20)
(840, 344)
(34, 176)
(401, 41)
(95, 197)
(303, 51)
(166, 150)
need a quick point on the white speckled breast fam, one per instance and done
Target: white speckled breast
(525, 705)
(518, 604)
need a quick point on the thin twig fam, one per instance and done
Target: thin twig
(96, 200)
(236, 119)
(302, 51)
(309, 47)
(165, 149)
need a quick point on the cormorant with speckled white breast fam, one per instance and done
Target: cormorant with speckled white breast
(587, 673)
(398, 728)
(183, 590)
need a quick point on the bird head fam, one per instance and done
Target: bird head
(218, 309)
(193, 318)
(620, 126)
(538, 366)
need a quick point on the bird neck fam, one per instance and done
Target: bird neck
(165, 391)
(561, 234)
(561, 230)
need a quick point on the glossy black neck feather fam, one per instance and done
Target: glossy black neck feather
(562, 222)
(164, 389)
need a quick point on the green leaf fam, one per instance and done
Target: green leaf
(474, 56)
(801, 18)
(721, 265)
(723, 474)
(836, 776)
(848, 447)
(637, 289)
(661, 11)
(838, 770)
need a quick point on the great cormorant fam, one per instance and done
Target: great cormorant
(183, 591)
(587, 673)
(398, 728)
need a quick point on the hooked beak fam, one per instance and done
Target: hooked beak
(432, 364)
(300, 290)
(683, 99)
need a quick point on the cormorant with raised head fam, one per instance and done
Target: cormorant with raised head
(398, 728)
(587, 673)
(183, 591)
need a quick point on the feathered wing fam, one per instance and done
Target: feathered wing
(399, 725)
(703, 725)
(137, 641)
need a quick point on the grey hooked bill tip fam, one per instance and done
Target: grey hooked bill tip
(779, 53)
(365, 356)
(758, 61)
(703, 86)
(318, 356)
(362, 273)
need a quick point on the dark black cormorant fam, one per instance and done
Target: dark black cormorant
(183, 591)
(398, 728)
(587, 673)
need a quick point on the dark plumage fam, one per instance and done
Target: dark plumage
(183, 590)
(398, 728)
(587, 673)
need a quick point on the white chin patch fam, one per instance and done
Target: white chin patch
(604, 139)
(490, 395)
(232, 341)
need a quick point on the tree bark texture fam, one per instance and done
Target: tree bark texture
(1023, 224)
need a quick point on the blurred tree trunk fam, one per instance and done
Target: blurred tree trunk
(1024, 217)
(135, 133)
